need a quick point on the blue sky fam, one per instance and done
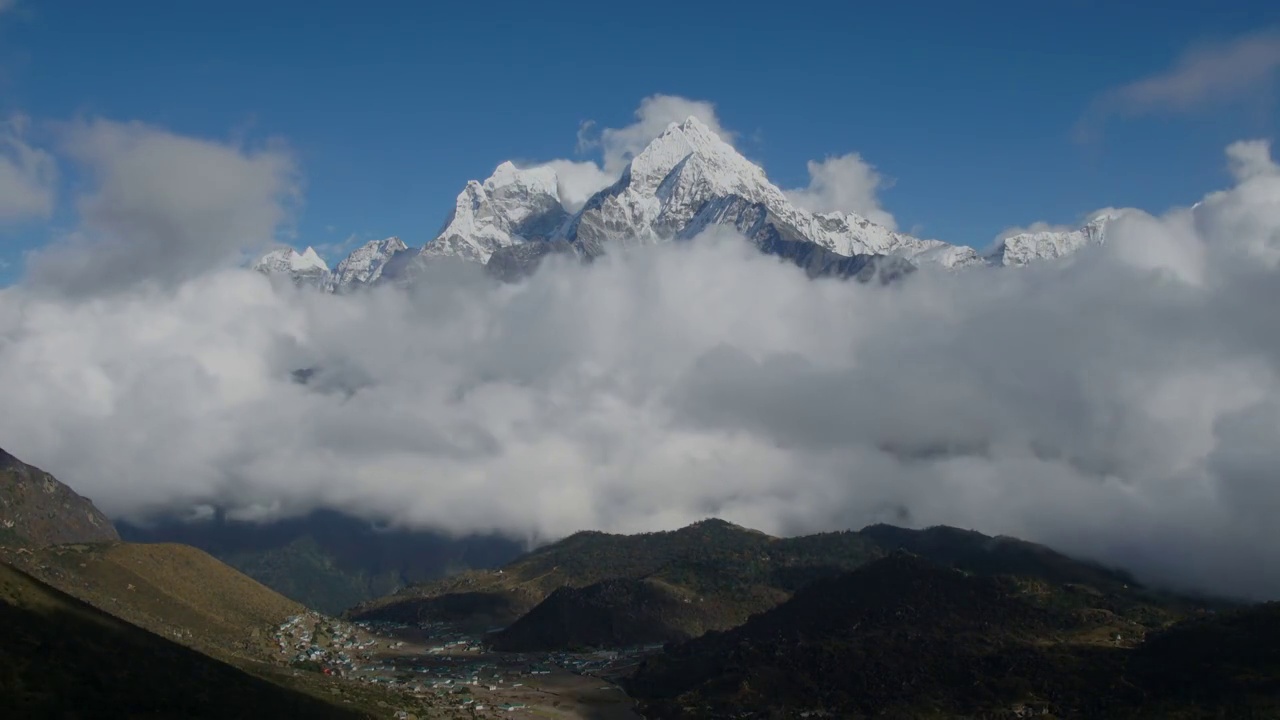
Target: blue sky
(390, 106)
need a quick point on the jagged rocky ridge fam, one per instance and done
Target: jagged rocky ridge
(685, 182)
(365, 266)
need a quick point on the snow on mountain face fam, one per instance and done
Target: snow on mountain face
(665, 185)
(688, 178)
(288, 260)
(1024, 248)
(511, 207)
(364, 266)
(685, 181)
(304, 268)
(777, 237)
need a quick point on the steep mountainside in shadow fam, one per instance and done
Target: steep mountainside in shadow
(732, 569)
(591, 588)
(907, 637)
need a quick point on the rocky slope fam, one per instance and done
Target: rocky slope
(36, 510)
(365, 265)
(513, 206)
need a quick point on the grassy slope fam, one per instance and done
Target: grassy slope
(184, 595)
(60, 657)
(175, 591)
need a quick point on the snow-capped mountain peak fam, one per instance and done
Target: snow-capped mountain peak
(512, 206)
(288, 260)
(684, 181)
(689, 178)
(689, 139)
(1036, 245)
(365, 265)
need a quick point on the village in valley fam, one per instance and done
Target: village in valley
(458, 670)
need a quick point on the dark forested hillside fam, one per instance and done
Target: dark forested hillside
(906, 637)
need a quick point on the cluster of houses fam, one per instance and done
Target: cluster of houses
(441, 661)
(338, 648)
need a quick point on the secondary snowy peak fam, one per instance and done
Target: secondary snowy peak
(365, 264)
(512, 206)
(1028, 247)
(846, 234)
(303, 268)
(853, 234)
(286, 260)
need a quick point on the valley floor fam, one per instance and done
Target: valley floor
(455, 670)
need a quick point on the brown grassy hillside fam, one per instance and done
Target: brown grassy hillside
(60, 657)
(175, 591)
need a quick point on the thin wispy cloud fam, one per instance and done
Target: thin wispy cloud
(28, 174)
(1205, 76)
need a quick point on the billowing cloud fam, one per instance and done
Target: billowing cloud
(162, 207)
(1206, 75)
(579, 180)
(1120, 406)
(1250, 158)
(28, 175)
(846, 183)
(653, 116)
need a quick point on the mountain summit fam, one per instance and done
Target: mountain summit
(682, 183)
(513, 206)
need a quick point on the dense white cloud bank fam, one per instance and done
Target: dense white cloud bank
(1123, 405)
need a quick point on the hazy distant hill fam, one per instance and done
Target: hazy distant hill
(37, 510)
(907, 637)
(327, 560)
